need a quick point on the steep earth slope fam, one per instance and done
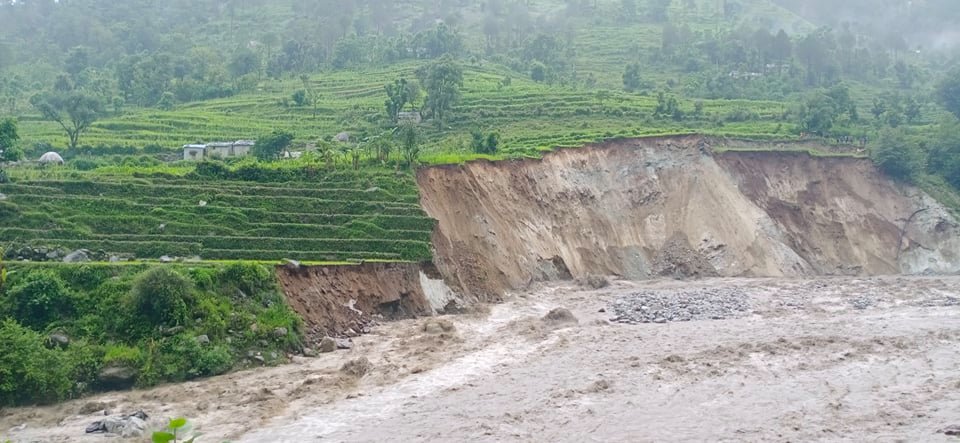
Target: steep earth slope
(346, 300)
(675, 207)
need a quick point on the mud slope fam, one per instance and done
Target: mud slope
(671, 206)
(345, 300)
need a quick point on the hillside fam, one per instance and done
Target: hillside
(424, 156)
(333, 217)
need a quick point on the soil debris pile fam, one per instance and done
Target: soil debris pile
(679, 207)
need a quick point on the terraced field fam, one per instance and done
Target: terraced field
(343, 217)
(529, 116)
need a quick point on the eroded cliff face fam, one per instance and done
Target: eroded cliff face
(345, 300)
(671, 206)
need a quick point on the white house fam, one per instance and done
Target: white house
(194, 152)
(197, 152)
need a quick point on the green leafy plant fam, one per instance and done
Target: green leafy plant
(162, 295)
(170, 435)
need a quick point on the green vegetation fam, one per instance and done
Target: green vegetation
(67, 328)
(297, 210)
(175, 427)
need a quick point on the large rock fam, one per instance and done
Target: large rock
(78, 256)
(328, 344)
(117, 377)
(58, 339)
(134, 427)
(560, 316)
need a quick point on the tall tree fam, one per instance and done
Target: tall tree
(74, 111)
(442, 80)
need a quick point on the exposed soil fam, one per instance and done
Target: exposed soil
(347, 300)
(671, 206)
(822, 359)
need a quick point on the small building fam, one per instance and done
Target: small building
(197, 152)
(220, 149)
(242, 147)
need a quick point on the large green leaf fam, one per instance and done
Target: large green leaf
(163, 437)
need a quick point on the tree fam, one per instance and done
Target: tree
(400, 93)
(948, 92)
(442, 80)
(77, 60)
(538, 72)
(631, 77)
(668, 106)
(272, 146)
(244, 62)
(896, 156)
(74, 111)
(410, 143)
(9, 151)
(484, 144)
(818, 114)
(300, 97)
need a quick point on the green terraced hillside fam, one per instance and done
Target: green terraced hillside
(342, 217)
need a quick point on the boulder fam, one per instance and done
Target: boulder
(133, 427)
(170, 332)
(78, 256)
(560, 315)
(309, 352)
(344, 343)
(117, 377)
(952, 430)
(203, 339)
(328, 344)
(58, 339)
(280, 332)
(291, 265)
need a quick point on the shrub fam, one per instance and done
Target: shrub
(162, 296)
(41, 298)
(249, 277)
(29, 372)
